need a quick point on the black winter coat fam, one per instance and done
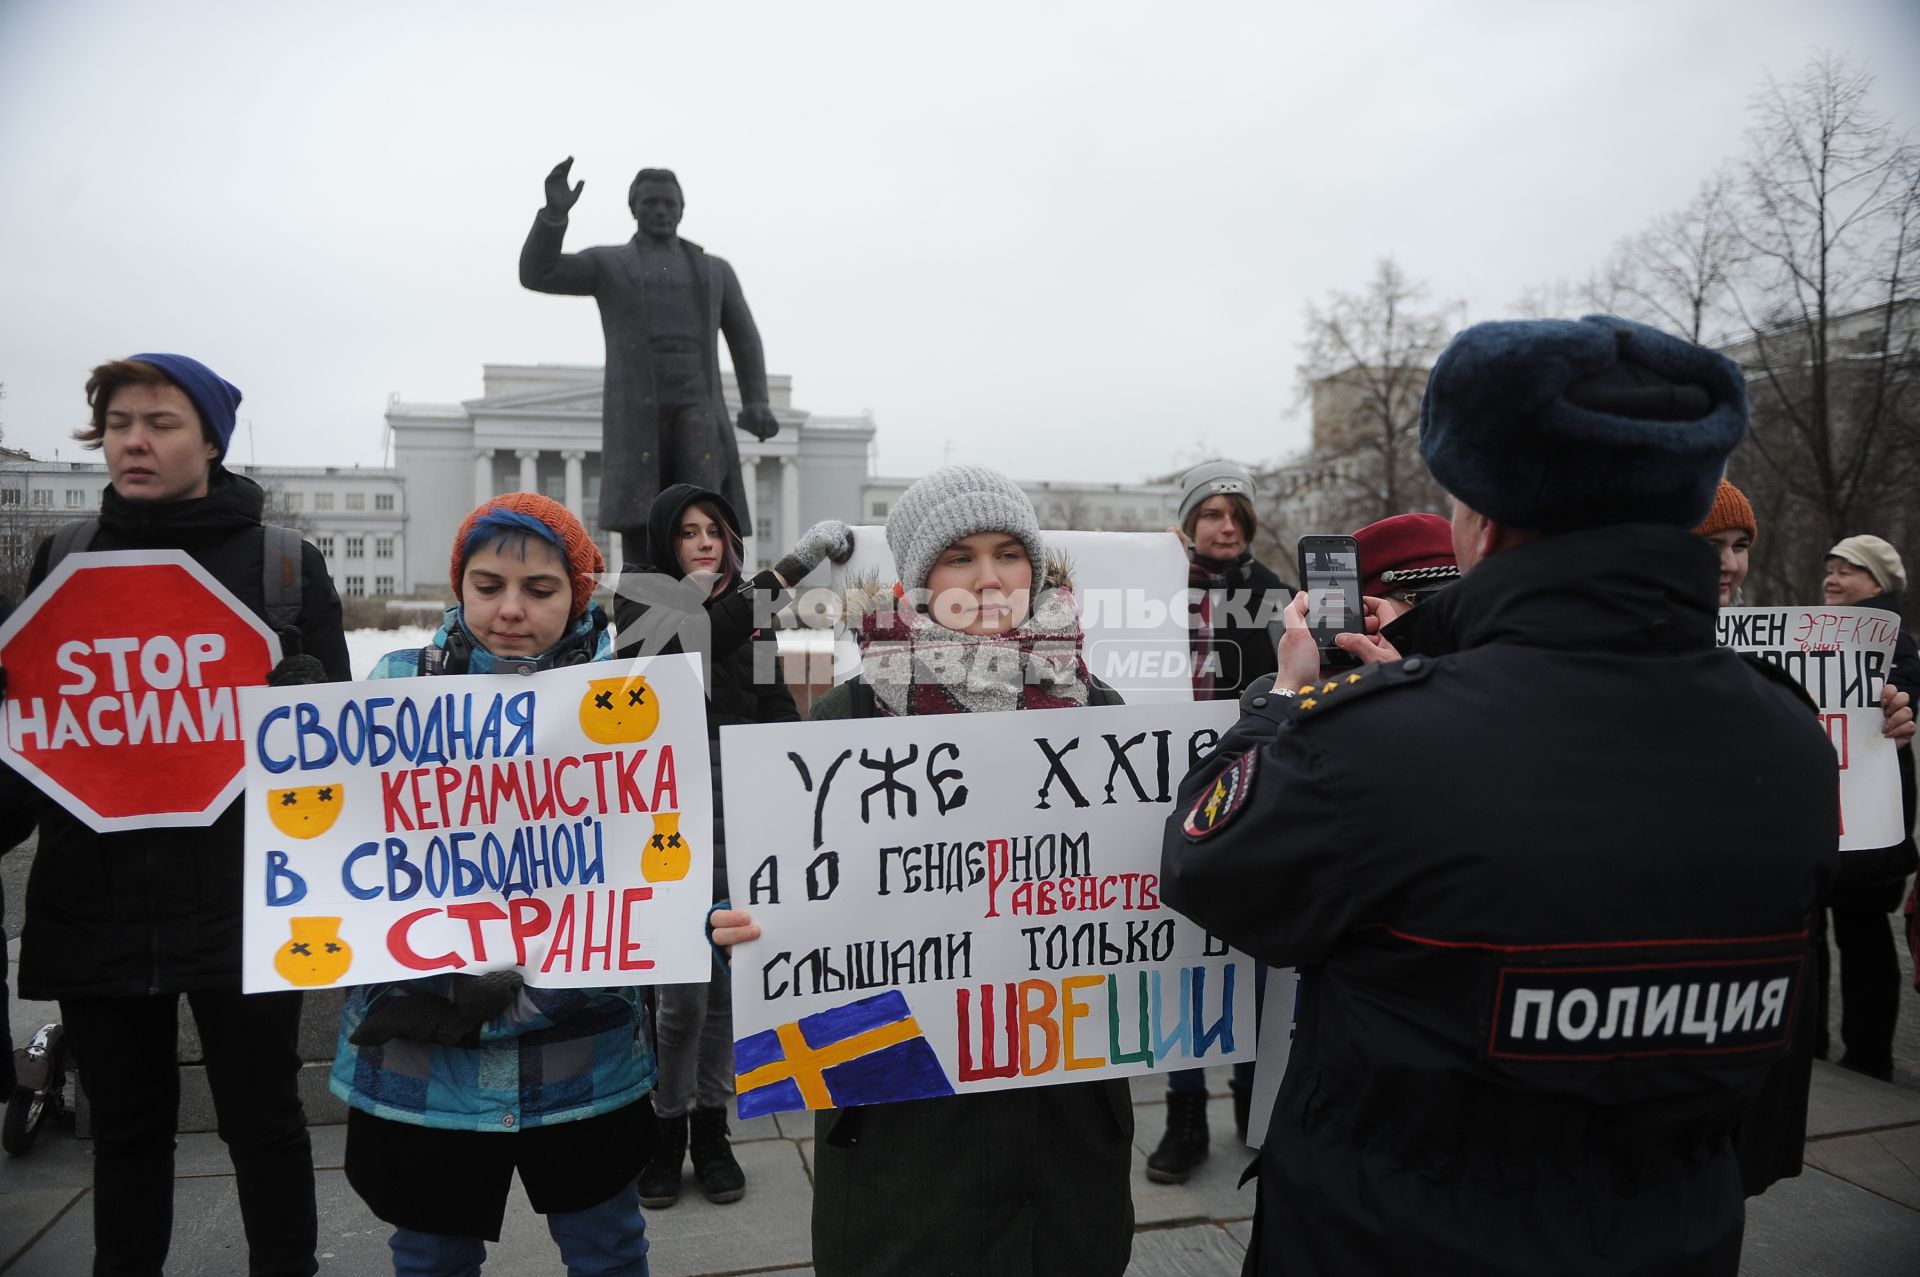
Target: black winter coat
(1248, 648)
(1549, 899)
(1025, 1183)
(745, 684)
(158, 910)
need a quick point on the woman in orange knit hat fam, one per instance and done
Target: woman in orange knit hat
(1731, 528)
(456, 1083)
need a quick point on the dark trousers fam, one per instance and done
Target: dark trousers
(1869, 986)
(126, 1052)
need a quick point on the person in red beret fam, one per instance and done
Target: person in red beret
(1404, 559)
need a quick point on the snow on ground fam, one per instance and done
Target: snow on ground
(366, 647)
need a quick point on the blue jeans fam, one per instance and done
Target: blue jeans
(1194, 1081)
(608, 1240)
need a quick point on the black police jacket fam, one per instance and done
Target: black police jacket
(158, 910)
(1549, 898)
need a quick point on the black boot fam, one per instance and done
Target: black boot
(1242, 1110)
(720, 1176)
(660, 1180)
(1184, 1146)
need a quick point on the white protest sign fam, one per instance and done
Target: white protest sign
(955, 903)
(559, 823)
(1279, 1015)
(1841, 655)
(1132, 592)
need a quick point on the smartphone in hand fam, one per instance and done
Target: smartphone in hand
(1330, 577)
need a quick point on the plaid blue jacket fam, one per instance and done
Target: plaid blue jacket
(556, 1055)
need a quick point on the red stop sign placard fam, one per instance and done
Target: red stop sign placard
(120, 702)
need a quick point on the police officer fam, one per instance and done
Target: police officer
(1530, 1018)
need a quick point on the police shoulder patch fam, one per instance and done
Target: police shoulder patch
(1343, 687)
(1224, 799)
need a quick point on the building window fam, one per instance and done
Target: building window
(9, 496)
(356, 547)
(383, 501)
(41, 497)
(323, 501)
(76, 497)
(879, 509)
(383, 547)
(356, 587)
(356, 501)
(295, 500)
(325, 546)
(763, 528)
(13, 546)
(383, 585)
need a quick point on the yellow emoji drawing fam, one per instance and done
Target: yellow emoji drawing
(306, 812)
(619, 711)
(667, 857)
(316, 955)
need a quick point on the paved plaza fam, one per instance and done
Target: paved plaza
(1855, 1211)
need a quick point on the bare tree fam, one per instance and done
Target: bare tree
(1557, 299)
(1677, 274)
(1366, 357)
(1830, 227)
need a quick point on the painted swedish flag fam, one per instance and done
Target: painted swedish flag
(866, 1052)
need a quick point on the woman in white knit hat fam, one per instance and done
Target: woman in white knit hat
(1014, 1183)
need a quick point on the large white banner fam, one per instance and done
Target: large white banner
(968, 902)
(560, 824)
(1841, 655)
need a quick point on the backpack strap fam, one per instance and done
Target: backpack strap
(281, 575)
(70, 538)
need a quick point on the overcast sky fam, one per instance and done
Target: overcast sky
(1070, 240)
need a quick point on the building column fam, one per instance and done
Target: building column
(750, 484)
(576, 490)
(482, 475)
(529, 468)
(789, 501)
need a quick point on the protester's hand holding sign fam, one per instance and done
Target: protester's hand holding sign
(1897, 724)
(729, 927)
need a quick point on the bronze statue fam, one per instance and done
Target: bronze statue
(663, 304)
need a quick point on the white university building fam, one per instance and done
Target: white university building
(388, 531)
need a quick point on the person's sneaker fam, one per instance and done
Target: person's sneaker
(1184, 1146)
(660, 1179)
(720, 1176)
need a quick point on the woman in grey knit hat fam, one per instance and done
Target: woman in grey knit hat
(1014, 1183)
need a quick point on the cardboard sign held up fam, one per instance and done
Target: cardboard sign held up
(1841, 655)
(969, 902)
(122, 669)
(560, 824)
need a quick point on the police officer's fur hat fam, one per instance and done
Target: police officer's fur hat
(1553, 425)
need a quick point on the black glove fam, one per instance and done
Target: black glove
(297, 671)
(296, 668)
(417, 1016)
